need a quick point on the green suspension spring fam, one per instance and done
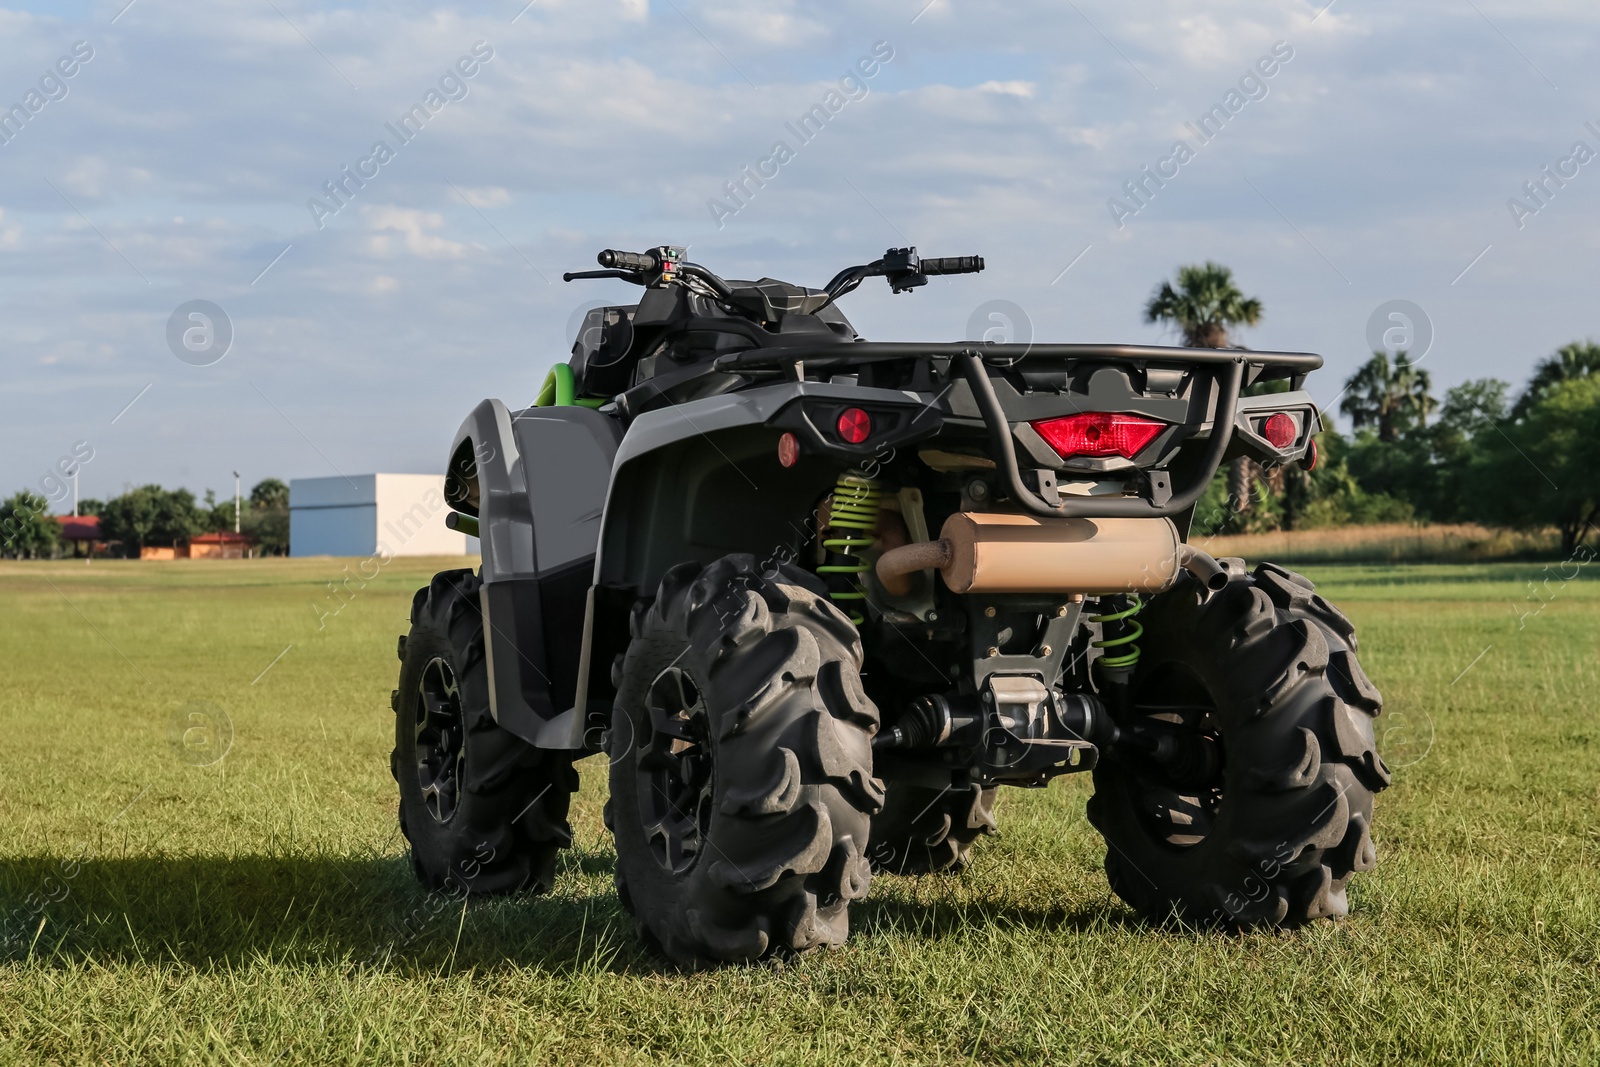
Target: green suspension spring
(853, 520)
(1128, 654)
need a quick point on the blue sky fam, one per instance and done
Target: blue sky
(179, 162)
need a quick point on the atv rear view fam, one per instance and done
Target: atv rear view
(815, 598)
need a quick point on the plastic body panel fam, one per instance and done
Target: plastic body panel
(693, 482)
(537, 479)
(671, 456)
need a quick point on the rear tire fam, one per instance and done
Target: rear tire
(485, 811)
(741, 766)
(1273, 836)
(922, 830)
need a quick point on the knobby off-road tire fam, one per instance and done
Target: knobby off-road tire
(741, 765)
(922, 830)
(485, 811)
(1273, 838)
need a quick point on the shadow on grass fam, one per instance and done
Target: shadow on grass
(306, 909)
(881, 914)
(371, 913)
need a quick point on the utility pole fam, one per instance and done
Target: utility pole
(235, 501)
(75, 492)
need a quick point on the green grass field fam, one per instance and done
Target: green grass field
(260, 909)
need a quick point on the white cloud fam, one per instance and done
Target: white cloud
(1202, 42)
(1009, 88)
(87, 177)
(414, 226)
(764, 25)
(488, 196)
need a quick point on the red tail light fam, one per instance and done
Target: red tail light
(1098, 433)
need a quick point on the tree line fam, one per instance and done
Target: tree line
(1527, 459)
(149, 515)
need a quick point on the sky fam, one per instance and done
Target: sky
(185, 157)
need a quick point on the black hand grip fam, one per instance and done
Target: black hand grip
(628, 260)
(952, 265)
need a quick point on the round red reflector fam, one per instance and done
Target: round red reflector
(1309, 460)
(855, 425)
(788, 449)
(1280, 430)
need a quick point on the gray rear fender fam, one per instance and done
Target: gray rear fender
(694, 482)
(536, 480)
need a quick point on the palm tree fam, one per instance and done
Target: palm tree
(1389, 396)
(1580, 359)
(269, 493)
(1202, 308)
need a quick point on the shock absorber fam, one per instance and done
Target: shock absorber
(1120, 632)
(852, 522)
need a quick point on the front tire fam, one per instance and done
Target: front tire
(485, 811)
(1273, 813)
(741, 766)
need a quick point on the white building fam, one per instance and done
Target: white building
(373, 514)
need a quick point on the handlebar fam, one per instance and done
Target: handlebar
(903, 268)
(613, 259)
(952, 265)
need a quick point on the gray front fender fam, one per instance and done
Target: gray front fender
(536, 479)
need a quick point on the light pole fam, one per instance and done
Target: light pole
(235, 501)
(74, 492)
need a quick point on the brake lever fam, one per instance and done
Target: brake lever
(626, 275)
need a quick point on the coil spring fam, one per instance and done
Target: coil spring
(852, 518)
(1129, 657)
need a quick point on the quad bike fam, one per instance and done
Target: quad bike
(815, 598)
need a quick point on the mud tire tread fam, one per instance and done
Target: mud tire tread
(793, 795)
(1302, 763)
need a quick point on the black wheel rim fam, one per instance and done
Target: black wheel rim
(1178, 783)
(441, 739)
(674, 763)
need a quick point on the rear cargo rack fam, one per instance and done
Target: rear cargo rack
(971, 360)
(1227, 377)
(823, 357)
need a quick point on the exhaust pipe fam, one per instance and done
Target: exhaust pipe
(998, 552)
(1212, 574)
